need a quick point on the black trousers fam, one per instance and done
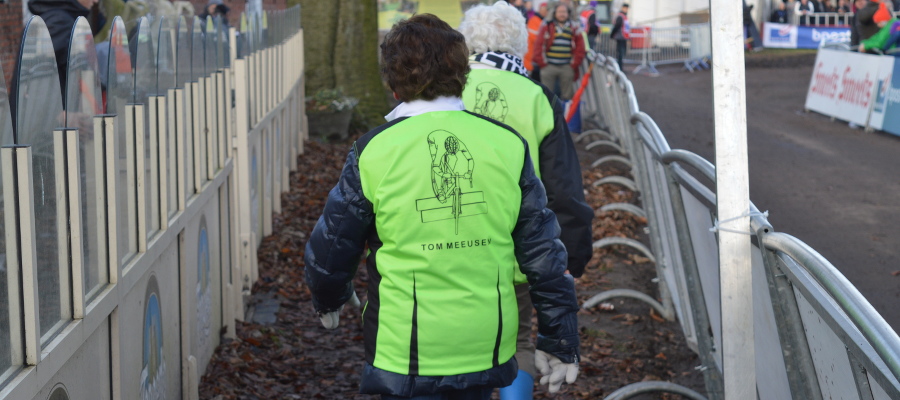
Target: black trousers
(476, 393)
(621, 47)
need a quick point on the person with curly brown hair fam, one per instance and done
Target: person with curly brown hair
(447, 202)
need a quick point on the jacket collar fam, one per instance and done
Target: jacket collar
(417, 107)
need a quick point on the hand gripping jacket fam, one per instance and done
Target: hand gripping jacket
(448, 203)
(537, 114)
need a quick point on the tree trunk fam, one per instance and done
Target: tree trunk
(341, 51)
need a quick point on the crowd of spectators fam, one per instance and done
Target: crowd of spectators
(822, 12)
(873, 25)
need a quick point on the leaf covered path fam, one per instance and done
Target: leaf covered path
(295, 358)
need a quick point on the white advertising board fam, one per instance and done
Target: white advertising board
(203, 284)
(882, 89)
(779, 36)
(149, 334)
(70, 381)
(843, 85)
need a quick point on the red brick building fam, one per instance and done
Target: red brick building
(10, 35)
(237, 7)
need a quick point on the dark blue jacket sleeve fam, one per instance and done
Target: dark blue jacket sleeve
(334, 249)
(561, 175)
(542, 258)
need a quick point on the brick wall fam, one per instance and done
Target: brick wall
(10, 35)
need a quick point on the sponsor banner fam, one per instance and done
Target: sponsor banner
(891, 96)
(809, 37)
(781, 36)
(843, 85)
(786, 36)
(882, 90)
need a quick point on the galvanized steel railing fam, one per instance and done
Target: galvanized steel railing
(649, 47)
(816, 335)
(822, 19)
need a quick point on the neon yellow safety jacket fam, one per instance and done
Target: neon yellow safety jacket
(447, 202)
(537, 114)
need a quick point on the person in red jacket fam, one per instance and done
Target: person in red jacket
(534, 26)
(559, 51)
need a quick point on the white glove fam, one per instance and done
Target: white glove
(332, 320)
(554, 370)
(354, 300)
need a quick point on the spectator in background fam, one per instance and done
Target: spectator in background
(559, 51)
(589, 23)
(888, 7)
(803, 8)
(60, 16)
(884, 13)
(865, 20)
(520, 6)
(779, 15)
(215, 8)
(887, 38)
(819, 6)
(751, 32)
(854, 25)
(534, 26)
(844, 7)
(621, 32)
(130, 11)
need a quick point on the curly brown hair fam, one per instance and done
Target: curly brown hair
(424, 58)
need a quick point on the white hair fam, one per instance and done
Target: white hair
(499, 27)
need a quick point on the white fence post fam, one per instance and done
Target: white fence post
(68, 139)
(733, 199)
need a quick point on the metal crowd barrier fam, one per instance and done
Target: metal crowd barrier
(816, 336)
(822, 19)
(689, 45)
(133, 197)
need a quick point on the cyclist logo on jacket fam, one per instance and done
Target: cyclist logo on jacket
(490, 101)
(451, 166)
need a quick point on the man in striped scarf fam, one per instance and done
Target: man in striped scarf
(560, 51)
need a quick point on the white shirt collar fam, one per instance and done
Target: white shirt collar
(477, 65)
(417, 107)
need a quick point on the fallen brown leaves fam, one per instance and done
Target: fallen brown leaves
(296, 358)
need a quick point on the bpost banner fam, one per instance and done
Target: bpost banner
(809, 37)
(843, 85)
(786, 36)
(882, 92)
(891, 95)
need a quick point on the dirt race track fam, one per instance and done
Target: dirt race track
(832, 186)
